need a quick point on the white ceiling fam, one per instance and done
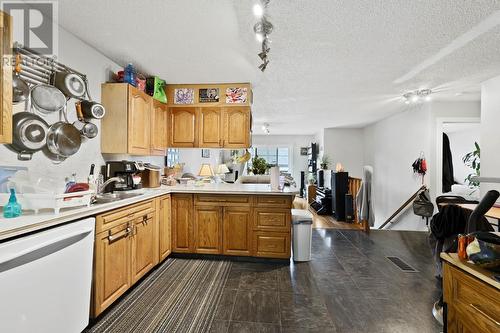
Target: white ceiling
(341, 63)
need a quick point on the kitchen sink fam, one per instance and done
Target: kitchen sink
(115, 196)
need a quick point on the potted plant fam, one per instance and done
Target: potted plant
(325, 161)
(472, 160)
(259, 165)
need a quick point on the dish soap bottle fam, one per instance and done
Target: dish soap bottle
(12, 208)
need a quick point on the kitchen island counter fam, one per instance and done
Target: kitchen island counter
(30, 221)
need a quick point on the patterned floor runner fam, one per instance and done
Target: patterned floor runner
(179, 296)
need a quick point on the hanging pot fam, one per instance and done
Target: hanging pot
(20, 89)
(93, 110)
(71, 84)
(47, 99)
(87, 129)
(63, 139)
(29, 134)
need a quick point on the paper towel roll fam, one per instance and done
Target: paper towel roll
(275, 178)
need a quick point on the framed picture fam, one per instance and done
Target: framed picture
(184, 96)
(236, 95)
(303, 151)
(209, 95)
(205, 153)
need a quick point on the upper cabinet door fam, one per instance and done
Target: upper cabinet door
(237, 127)
(183, 127)
(210, 127)
(159, 126)
(139, 122)
(6, 81)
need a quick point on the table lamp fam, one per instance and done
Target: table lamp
(220, 171)
(206, 172)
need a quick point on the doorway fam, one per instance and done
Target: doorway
(458, 143)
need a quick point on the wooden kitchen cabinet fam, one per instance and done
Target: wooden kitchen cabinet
(139, 121)
(159, 128)
(6, 81)
(165, 229)
(237, 233)
(271, 244)
(134, 124)
(111, 266)
(472, 297)
(208, 229)
(183, 127)
(144, 246)
(126, 248)
(237, 127)
(182, 223)
(210, 127)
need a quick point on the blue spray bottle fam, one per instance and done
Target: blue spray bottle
(12, 208)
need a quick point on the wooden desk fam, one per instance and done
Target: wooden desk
(494, 212)
(472, 296)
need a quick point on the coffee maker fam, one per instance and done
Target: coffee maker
(125, 170)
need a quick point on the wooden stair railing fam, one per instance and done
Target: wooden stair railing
(403, 206)
(354, 185)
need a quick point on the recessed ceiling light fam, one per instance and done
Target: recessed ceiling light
(259, 37)
(459, 93)
(258, 10)
(414, 98)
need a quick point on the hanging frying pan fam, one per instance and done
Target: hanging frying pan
(20, 89)
(47, 99)
(29, 134)
(71, 84)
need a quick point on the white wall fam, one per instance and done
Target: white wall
(392, 144)
(191, 157)
(346, 146)
(298, 163)
(462, 142)
(490, 134)
(76, 54)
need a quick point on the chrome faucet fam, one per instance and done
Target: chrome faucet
(101, 188)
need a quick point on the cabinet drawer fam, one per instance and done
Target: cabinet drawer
(203, 199)
(476, 302)
(274, 201)
(115, 217)
(271, 244)
(272, 219)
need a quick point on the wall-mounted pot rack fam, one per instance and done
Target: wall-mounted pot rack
(37, 68)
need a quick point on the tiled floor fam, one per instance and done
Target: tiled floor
(349, 286)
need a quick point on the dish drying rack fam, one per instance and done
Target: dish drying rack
(37, 201)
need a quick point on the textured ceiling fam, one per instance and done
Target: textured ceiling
(341, 63)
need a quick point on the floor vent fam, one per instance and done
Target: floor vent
(402, 265)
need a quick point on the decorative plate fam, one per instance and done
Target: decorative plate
(236, 95)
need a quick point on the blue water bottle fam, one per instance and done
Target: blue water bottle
(129, 75)
(12, 208)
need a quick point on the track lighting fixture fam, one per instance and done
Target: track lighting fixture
(417, 96)
(262, 30)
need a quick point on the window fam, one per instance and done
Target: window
(172, 157)
(273, 155)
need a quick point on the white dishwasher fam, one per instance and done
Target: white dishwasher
(45, 280)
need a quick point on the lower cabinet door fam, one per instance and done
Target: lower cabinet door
(237, 238)
(271, 244)
(164, 234)
(111, 267)
(182, 223)
(143, 246)
(207, 230)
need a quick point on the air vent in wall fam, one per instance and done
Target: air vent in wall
(402, 265)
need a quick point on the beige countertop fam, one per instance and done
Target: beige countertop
(30, 221)
(480, 273)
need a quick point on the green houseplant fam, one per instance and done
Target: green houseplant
(259, 165)
(325, 161)
(473, 161)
